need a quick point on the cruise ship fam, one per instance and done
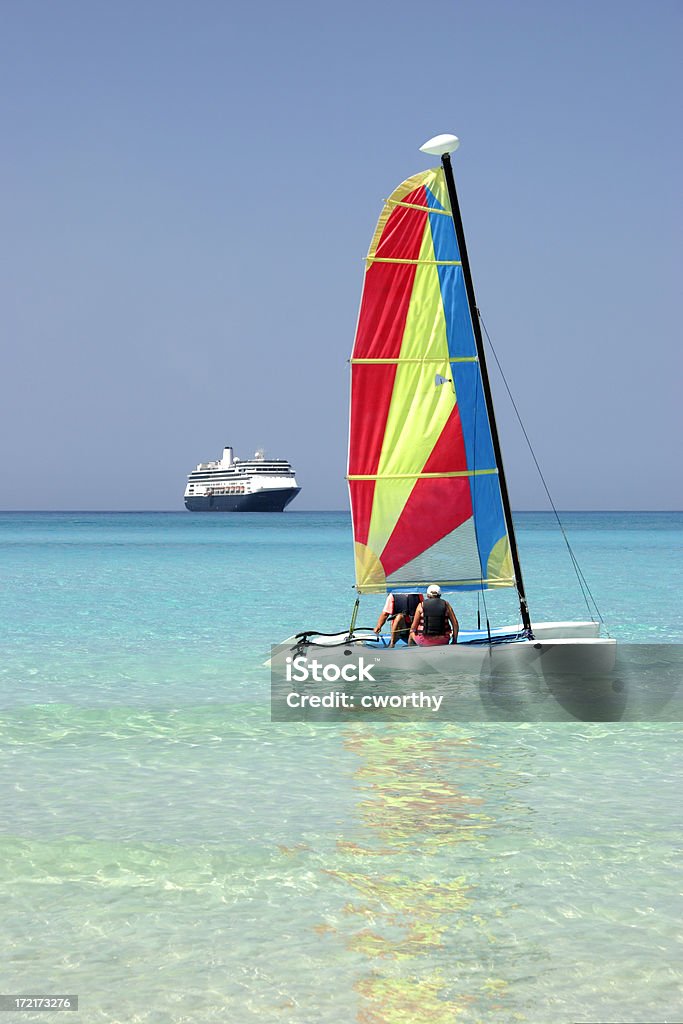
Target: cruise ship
(234, 485)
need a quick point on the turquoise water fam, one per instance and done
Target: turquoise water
(171, 855)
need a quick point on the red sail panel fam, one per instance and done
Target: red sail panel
(362, 495)
(426, 520)
(381, 323)
(435, 507)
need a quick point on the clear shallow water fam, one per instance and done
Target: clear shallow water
(171, 855)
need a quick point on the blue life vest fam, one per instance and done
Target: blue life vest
(406, 605)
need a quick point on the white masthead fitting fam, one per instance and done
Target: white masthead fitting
(441, 144)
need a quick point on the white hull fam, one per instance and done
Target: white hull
(566, 672)
(563, 647)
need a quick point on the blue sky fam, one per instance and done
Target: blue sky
(188, 190)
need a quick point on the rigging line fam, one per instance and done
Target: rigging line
(583, 583)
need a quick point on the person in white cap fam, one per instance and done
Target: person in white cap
(434, 622)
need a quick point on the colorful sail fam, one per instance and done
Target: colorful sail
(425, 494)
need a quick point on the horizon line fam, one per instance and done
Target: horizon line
(336, 511)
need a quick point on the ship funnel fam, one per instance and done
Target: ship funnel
(227, 457)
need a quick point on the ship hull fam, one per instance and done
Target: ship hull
(275, 500)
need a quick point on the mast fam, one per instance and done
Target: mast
(443, 146)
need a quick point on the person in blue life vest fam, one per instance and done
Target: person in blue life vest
(400, 608)
(434, 621)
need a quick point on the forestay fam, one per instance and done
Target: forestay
(423, 479)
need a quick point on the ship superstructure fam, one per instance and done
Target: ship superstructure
(231, 484)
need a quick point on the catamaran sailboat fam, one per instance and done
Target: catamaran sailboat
(429, 499)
